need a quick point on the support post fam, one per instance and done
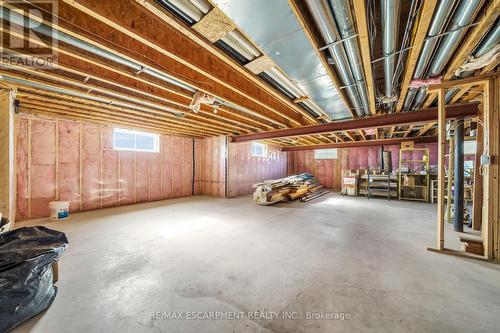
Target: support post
(451, 164)
(441, 170)
(458, 197)
(477, 201)
(7, 158)
(491, 182)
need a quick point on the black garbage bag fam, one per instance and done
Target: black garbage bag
(26, 280)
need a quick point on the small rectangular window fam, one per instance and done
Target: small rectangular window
(259, 149)
(325, 154)
(124, 139)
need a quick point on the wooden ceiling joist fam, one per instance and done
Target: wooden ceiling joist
(105, 73)
(474, 36)
(364, 40)
(297, 7)
(174, 52)
(424, 20)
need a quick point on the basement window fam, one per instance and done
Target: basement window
(124, 139)
(259, 149)
(325, 154)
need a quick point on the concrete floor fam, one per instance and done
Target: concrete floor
(364, 258)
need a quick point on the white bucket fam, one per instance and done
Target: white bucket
(59, 210)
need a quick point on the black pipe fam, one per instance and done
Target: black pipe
(458, 198)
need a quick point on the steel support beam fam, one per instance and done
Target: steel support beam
(367, 143)
(431, 114)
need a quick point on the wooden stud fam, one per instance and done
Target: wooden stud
(422, 25)
(477, 202)
(101, 178)
(56, 157)
(451, 170)
(364, 41)
(29, 167)
(80, 180)
(441, 170)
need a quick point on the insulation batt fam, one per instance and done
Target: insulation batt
(476, 63)
(201, 97)
(419, 83)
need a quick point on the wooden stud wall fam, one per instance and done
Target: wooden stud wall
(75, 161)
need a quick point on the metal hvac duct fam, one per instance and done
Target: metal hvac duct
(438, 24)
(489, 42)
(187, 8)
(328, 29)
(343, 16)
(11, 79)
(464, 15)
(391, 12)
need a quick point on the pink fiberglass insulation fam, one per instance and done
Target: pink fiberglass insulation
(126, 177)
(142, 176)
(91, 170)
(245, 170)
(108, 177)
(155, 177)
(22, 168)
(43, 166)
(69, 163)
(177, 167)
(326, 170)
(211, 166)
(187, 166)
(167, 166)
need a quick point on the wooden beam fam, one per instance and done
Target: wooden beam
(364, 41)
(408, 130)
(477, 202)
(426, 127)
(481, 79)
(441, 169)
(402, 118)
(366, 143)
(474, 37)
(424, 21)
(7, 157)
(491, 178)
(346, 133)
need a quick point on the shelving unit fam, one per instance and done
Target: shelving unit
(413, 175)
(380, 185)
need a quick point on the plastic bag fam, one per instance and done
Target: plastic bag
(26, 280)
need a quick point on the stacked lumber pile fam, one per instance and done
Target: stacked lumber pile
(304, 186)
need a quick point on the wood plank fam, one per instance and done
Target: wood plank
(441, 167)
(364, 41)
